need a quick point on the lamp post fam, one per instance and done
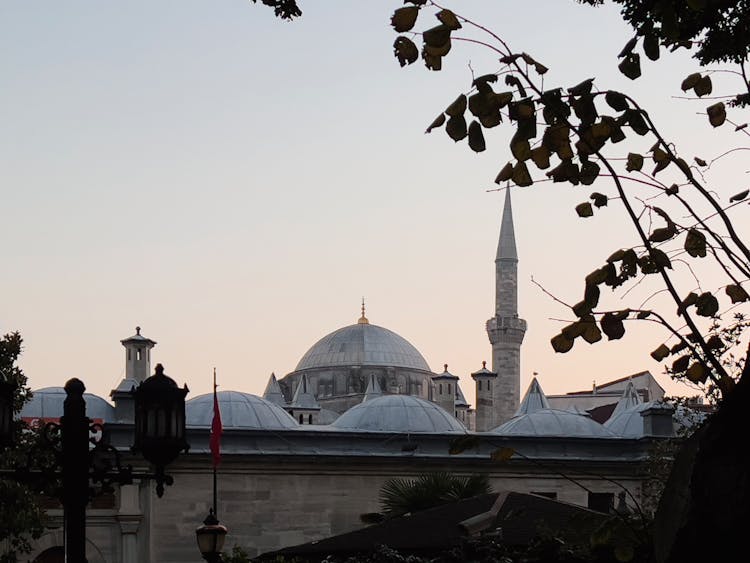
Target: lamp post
(159, 435)
(210, 538)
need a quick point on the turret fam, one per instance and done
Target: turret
(444, 390)
(486, 382)
(506, 330)
(137, 369)
(304, 406)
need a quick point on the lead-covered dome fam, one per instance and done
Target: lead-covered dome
(362, 344)
(534, 417)
(47, 403)
(238, 410)
(399, 413)
(553, 423)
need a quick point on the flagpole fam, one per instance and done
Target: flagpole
(214, 462)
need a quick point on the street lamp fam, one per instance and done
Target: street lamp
(210, 538)
(160, 423)
(160, 436)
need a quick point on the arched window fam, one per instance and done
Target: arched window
(449, 389)
(301, 419)
(309, 419)
(440, 387)
(488, 385)
(138, 354)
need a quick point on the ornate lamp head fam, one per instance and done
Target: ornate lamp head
(160, 422)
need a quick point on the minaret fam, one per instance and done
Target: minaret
(505, 329)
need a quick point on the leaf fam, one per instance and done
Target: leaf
(456, 128)
(437, 36)
(582, 88)
(697, 373)
(680, 364)
(438, 122)
(660, 259)
(691, 299)
(739, 197)
(699, 161)
(540, 156)
(521, 176)
(405, 50)
(714, 342)
(695, 243)
(662, 234)
(591, 295)
(630, 66)
(737, 293)
(660, 353)
(636, 121)
(643, 315)
(591, 333)
(616, 100)
(502, 454)
(717, 114)
(589, 172)
(528, 59)
(600, 200)
(432, 62)
(463, 443)
(403, 19)
(520, 148)
(540, 68)
(707, 305)
(584, 209)
(674, 189)
(457, 107)
(612, 326)
(703, 87)
(690, 81)
(561, 344)
(506, 172)
(448, 19)
(651, 46)
(476, 137)
(635, 162)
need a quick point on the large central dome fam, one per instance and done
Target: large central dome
(362, 344)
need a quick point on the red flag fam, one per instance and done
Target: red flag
(216, 428)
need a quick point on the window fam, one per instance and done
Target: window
(309, 419)
(479, 385)
(138, 354)
(449, 389)
(301, 419)
(601, 502)
(488, 384)
(440, 386)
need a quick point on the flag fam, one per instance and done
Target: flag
(216, 428)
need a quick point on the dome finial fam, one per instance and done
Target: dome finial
(138, 330)
(363, 320)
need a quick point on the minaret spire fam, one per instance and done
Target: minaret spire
(506, 247)
(505, 329)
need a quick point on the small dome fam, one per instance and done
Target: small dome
(399, 413)
(628, 423)
(48, 403)
(362, 344)
(238, 410)
(327, 416)
(553, 422)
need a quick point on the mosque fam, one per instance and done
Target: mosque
(305, 460)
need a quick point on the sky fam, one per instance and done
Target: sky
(234, 184)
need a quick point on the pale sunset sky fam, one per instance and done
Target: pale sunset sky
(234, 184)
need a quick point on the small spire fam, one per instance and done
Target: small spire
(445, 367)
(363, 320)
(506, 248)
(138, 330)
(484, 364)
